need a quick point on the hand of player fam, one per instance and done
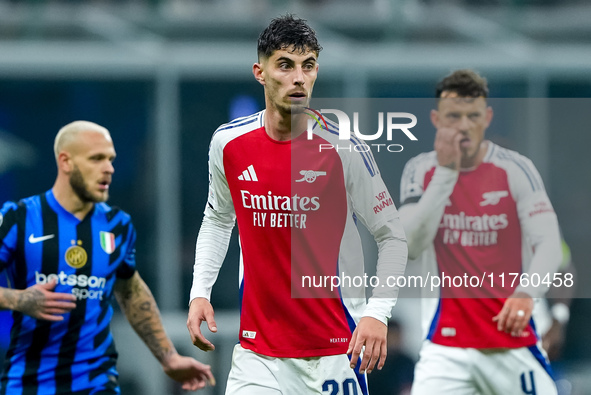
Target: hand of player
(40, 302)
(201, 310)
(447, 146)
(192, 374)
(372, 334)
(510, 319)
(553, 340)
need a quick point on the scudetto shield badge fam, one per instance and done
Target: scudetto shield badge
(107, 242)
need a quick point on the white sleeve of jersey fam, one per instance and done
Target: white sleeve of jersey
(392, 258)
(422, 209)
(539, 226)
(216, 228)
(374, 207)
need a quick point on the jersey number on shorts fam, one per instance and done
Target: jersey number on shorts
(349, 387)
(525, 386)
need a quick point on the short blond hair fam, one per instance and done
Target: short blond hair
(70, 132)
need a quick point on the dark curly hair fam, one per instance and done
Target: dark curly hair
(284, 32)
(465, 83)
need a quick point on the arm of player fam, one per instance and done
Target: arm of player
(560, 299)
(373, 206)
(540, 227)
(373, 327)
(544, 233)
(421, 209)
(139, 306)
(421, 220)
(38, 301)
(212, 245)
(210, 251)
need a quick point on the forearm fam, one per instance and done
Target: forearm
(421, 219)
(210, 251)
(392, 258)
(543, 232)
(563, 294)
(138, 304)
(10, 299)
(24, 301)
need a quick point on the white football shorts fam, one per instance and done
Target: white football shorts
(470, 371)
(256, 374)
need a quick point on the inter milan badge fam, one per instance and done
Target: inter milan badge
(108, 242)
(76, 256)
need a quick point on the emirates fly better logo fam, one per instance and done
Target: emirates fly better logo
(343, 129)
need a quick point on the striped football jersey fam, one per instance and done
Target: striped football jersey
(39, 242)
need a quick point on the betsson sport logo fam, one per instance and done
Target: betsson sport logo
(359, 141)
(84, 287)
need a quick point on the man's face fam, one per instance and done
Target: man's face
(469, 116)
(289, 78)
(92, 155)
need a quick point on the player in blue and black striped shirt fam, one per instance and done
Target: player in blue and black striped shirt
(66, 253)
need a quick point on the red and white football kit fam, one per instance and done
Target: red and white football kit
(296, 208)
(489, 223)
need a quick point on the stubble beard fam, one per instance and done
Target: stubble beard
(79, 187)
(289, 108)
(470, 158)
(296, 109)
(293, 109)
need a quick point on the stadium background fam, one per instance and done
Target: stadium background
(162, 75)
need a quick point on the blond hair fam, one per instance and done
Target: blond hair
(70, 132)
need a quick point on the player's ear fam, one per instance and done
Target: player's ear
(435, 118)
(63, 162)
(258, 72)
(489, 115)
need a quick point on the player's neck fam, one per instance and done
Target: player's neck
(472, 163)
(69, 200)
(283, 127)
